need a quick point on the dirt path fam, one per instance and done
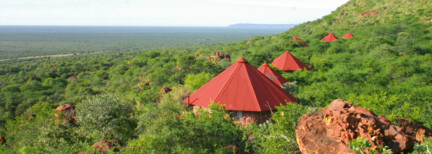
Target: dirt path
(51, 56)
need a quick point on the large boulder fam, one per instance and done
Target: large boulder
(330, 129)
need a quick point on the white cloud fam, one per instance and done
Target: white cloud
(161, 12)
(323, 4)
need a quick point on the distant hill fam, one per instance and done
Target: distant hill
(263, 26)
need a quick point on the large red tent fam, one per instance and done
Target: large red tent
(272, 74)
(349, 35)
(288, 62)
(296, 38)
(241, 87)
(330, 38)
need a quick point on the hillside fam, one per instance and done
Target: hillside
(386, 68)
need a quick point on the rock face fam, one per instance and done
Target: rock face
(105, 145)
(102, 146)
(223, 56)
(417, 131)
(2, 140)
(67, 110)
(330, 129)
(165, 90)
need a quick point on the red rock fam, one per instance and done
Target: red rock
(219, 56)
(2, 140)
(226, 56)
(31, 116)
(235, 148)
(67, 110)
(165, 90)
(415, 130)
(330, 129)
(104, 146)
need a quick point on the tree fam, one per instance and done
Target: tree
(197, 80)
(106, 117)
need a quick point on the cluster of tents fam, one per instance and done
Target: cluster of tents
(329, 38)
(243, 88)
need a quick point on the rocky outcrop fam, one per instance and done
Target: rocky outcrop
(165, 90)
(233, 148)
(330, 129)
(68, 111)
(105, 145)
(2, 140)
(223, 56)
(31, 116)
(415, 130)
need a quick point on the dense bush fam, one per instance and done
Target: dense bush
(279, 136)
(188, 133)
(106, 117)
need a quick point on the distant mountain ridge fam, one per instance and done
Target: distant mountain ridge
(264, 26)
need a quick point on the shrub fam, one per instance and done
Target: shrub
(106, 117)
(197, 80)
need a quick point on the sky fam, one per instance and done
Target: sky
(162, 12)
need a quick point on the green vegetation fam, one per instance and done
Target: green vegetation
(361, 145)
(386, 67)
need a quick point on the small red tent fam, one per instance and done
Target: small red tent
(241, 87)
(296, 38)
(272, 74)
(349, 35)
(288, 62)
(330, 38)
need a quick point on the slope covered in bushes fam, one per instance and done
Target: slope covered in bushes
(386, 68)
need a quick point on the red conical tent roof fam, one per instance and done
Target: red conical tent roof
(349, 35)
(241, 87)
(272, 74)
(288, 62)
(330, 38)
(296, 38)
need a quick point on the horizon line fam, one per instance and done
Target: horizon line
(148, 25)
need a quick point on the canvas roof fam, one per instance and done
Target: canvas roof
(288, 62)
(330, 38)
(272, 74)
(241, 87)
(349, 35)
